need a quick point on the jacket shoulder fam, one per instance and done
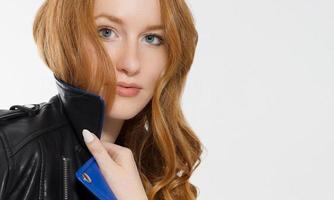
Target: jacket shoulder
(22, 123)
(17, 111)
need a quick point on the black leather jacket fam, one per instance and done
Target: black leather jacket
(41, 146)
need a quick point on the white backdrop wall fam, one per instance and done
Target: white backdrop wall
(260, 94)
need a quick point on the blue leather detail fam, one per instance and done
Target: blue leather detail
(95, 182)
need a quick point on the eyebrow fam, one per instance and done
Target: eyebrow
(120, 21)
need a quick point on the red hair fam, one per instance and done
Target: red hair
(163, 143)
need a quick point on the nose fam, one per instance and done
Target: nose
(128, 61)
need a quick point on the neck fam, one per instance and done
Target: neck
(111, 129)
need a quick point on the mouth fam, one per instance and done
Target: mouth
(128, 85)
(127, 91)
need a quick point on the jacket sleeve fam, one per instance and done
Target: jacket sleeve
(4, 168)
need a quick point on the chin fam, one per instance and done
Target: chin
(122, 115)
(123, 112)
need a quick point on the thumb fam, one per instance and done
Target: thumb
(98, 150)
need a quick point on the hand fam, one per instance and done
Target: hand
(118, 167)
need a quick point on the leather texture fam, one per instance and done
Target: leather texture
(41, 145)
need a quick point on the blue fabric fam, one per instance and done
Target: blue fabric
(98, 185)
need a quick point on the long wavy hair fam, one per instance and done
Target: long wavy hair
(165, 148)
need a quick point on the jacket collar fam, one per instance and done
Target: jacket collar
(84, 109)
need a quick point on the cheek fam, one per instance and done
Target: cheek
(151, 79)
(154, 64)
(152, 74)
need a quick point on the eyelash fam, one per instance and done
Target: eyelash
(152, 34)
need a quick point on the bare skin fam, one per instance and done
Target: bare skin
(118, 167)
(139, 56)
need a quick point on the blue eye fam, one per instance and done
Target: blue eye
(150, 38)
(105, 32)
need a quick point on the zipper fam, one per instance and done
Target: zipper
(67, 173)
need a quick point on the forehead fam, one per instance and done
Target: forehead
(130, 12)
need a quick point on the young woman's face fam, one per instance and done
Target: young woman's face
(130, 31)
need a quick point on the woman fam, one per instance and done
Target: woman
(120, 68)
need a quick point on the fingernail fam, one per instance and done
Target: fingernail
(87, 135)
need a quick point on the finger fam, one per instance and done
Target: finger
(121, 155)
(98, 150)
(112, 149)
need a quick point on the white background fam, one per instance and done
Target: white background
(260, 94)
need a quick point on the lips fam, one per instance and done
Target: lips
(127, 89)
(128, 85)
